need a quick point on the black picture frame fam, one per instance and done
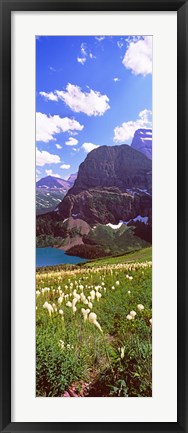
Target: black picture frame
(6, 7)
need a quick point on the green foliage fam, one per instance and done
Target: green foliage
(47, 241)
(116, 361)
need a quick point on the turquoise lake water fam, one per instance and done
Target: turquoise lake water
(53, 256)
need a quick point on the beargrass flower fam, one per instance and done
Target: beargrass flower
(129, 317)
(93, 319)
(69, 304)
(60, 300)
(133, 313)
(85, 313)
(122, 351)
(98, 295)
(48, 307)
(61, 344)
(140, 307)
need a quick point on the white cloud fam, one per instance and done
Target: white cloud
(92, 56)
(83, 54)
(58, 146)
(89, 146)
(81, 60)
(138, 56)
(50, 173)
(49, 96)
(52, 69)
(120, 44)
(99, 38)
(76, 149)
(65, 166)
(91, 103)
(43, 157)
(38, 171)
(48, 126)
(83, 49)
(116, 79)
(71, 141)
(73, 133)
(127, 129)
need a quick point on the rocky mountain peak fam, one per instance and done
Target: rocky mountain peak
(142, 141)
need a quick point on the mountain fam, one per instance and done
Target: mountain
(113, 183)
(142, 141)
(51, 182)
(114, 188)
(50, 191)
(113, 166)
(72, 178)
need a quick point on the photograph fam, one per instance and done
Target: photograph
(93, 215)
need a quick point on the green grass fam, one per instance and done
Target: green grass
(142, 255)
(70, 352)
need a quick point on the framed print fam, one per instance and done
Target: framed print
(93, 216)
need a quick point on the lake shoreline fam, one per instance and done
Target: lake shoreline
(52, 256)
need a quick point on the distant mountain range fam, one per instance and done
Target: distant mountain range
(50, 191)
(142, 141)
(52, 182)
(113, 187)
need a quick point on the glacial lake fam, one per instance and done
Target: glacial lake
(53, 256)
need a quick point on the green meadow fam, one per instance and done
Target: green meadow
(94, 328)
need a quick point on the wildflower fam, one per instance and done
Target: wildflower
(113, 288)
(133, 313)
(61, 312)
(37, 292)
(60, 300)
(85, 313)
(129, 317)
(130, 278)
(98, 295)
(140, 307)
(117, 283)
(129, 292)
(93, 319)
(75, 300)
(61, 344)
(122, 351)
(90, 305)
(92, 293)
(69, 304)
(150, 321)
(48, 307)
(45, 289)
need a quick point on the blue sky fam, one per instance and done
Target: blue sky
(90, 91)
